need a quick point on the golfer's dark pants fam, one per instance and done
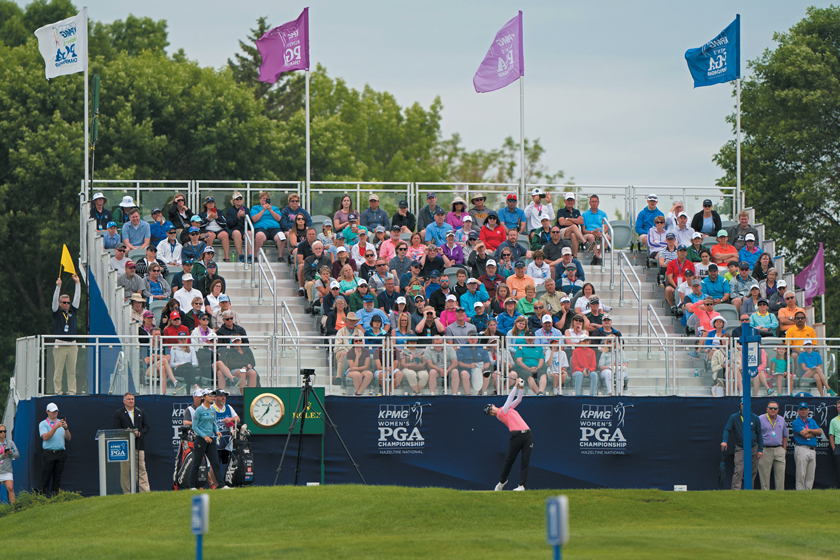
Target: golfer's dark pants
(203, 449)
(837, 465)
(519, 441)
(52, 467)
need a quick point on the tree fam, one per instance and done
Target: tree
(790, 152)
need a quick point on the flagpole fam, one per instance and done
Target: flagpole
(307, 139)
(87, 128)
(737, 204)
(522, 137)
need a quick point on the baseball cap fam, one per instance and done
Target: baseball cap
(148, 313)
(209, 250)
(681, 214)
(363, 230)
(779, 284)
(460, 309)
(594, 299)
(536, 192)
(763, 300)
(430, 195)
(361, 282)
(571, 266)
(152, 248)
(510, 300)
(224, 297)
(473, 281)
(440, 211)
(696, 282)
(340, 250)
(185, 277)
(545, 217)
(52, 407)
(400, 299)
(670, 236)
(511, 196)
(547, 319)
(707, 202)
(403, 204)
(193, 229)
(473, 235)
(155, 211)
(352, 217)
(606, 316)
(211, 264)
(120, 246)
(569, 196)
(451, 297)
(744, 265)
(749, 237)
(172, 228)
(565, 298)
(373, 197)
(682, 248)
(519, 264)
(420, 297)
(435, 274)
(175, 315)
(467, 218)
(334, 284)
(418, 264)
(187, 262)
(450, 233)
(198, 392)
(722, 233)
(713, 266)
(490, 262)
(697, 235)
(368, 298)
(209, 199)
(652, 196)
(478, 304)
(566, 251)
(112, 224)
(379, 229)
(803, 404)
(129, 264)
(195, 218)
(327, 222)
(808, 343)
(395, 228)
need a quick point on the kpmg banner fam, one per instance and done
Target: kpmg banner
(635, 442)
(719, 60)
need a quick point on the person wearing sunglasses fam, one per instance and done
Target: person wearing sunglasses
(646, 218)
(179, 213)
(492, 233)
(706, 221)
(118, 260)
(478, 212)
(235, 222)
(774, 434)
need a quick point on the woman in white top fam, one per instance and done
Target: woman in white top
(582, 303)
(212, 299)
(574, 336)
(8, 452)
(205, 340)
(183, 360)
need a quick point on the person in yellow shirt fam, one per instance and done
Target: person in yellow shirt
(519, 281)
(797, 334)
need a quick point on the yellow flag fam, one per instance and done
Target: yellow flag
(67, 261)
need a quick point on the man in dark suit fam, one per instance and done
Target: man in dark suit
(131, 418)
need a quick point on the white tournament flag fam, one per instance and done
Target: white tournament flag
(64, 45)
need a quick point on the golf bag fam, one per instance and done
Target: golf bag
(240, 470)
(184, 462)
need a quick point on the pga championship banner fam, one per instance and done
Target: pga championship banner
(579, 442)
(504, 63)
(719, 60)
(63, 45)
(285, 48)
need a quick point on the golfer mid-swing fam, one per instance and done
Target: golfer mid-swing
(521, 437)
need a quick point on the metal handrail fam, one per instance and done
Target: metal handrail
(608, 243)
(286, 318)
(622, 277)
(262, 264)
(249, 240)
(651, 333)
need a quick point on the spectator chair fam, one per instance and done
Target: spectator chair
(623, 234)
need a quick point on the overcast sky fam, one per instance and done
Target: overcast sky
(607, 90)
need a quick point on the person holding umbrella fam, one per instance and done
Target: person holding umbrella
(521, 438)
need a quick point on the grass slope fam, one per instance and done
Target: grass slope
(338, 522)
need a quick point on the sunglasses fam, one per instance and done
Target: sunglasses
(538, 308)
(301, 219)
(381, 265)
(120, 250)
(579, 321)
(791, 297)
(179, 200)
(772, 408)
(193, 233)
(2, 431)
(658, 222)
(401, 248)
(228, 319)
(370, 255)
(555, 231)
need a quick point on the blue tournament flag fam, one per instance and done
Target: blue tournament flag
(719, 60)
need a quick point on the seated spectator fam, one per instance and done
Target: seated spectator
(570, 284)
(479, 211)
(404, 219)
(764, 322)
(100, 214)
(142, 266)
(769, 285)
(551, 298)
(205, 342)
(497, 302)
(556, 364)
(525, 306)
(473, 362)
(214, 225)
(401, 327)
(476, 292)
(693, 296)
(416, 249)
(210, 276)
(715, 338)
(193, 249)
(190, 318)
(447, 316)
(155, 286)
(200, 266)
(387, 298)
(169, 249)
(373, 215)
(414, 273)
(336, 316)
(749, 253)
(701, 269)
(136, 233)
(438, 296)
(789, 310)
(359, 366)
(130, 282)
(123, 210)
(342, 258)
(458, 210)
(750, 304)
(513, 217)
(530, 365)
(179, 214)
(413, 365)
(593, 319)
(460, 287)
(570, 220)
(211, 300)
(492, 234)
(538, 269)
(723, 252)
(341, 219)
(567, 259)
(517, 251)
(778, 368)
(368, 311)
(715, 286)
(441, 360)
(731, 270)
(235, 222)
(239, 359)
(582, 303)
(546, 332)
(584, 365)
(175, 329)
(762, 267)
(436, 231)
(705, 313)
(675, 275)
(378, 237)
(360, 250)
(707, 221)
(430, 326)
(388, 248)
(666, 255)
(380, 277)
(158, 362)
(606, 363)
(137, 307)
(267, 224)
(777, 299)
(681, 230)
(563, 317)
(332, 250)
(795, 335)
(311, 267)
(508, 316)
(519, 281)
(542, 235)
(738, 233)
(575, 336)
(656, 237)
(187, 293)
(481, 315)
(739, 286)
(356, 299)
(535, 319)
(351, 232)
(375, 335)
(184, 361)
(110, 239)
(646, 219)
(186, 268)
(553, 249)
(490, 280)
(466, 237)
(432, 261)
(505, 266)
(159, 227)
(224, 305)
(452, 253)
(516, 335)
(812, 366)
(171, 305)
(343, 334)
(695, 248)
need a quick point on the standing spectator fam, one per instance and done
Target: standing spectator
(110, 239)
(235, 221)
(540, 204)
(735, 428)
(478, 212)
(54, 433)
(805, 433)
(374, 215)
(179, 214)
(8, 453)
(427, 214)
(646, 218)
(158, 227)
(774, 436)
(267, 220)
(834, 438)
(204, 427)
(571, 222)
(738, 233)
(707, 221)
(512, 217)
(492, 233)
(136, 233)
(403, 219)
(99, 213)
(64, 326)
(593, 228)
(129, 417)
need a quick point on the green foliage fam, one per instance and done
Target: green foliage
(41, 12)
(28, 500)
(790, 152)
(131, 36)
(13, 32)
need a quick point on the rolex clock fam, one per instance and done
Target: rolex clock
(267, 410)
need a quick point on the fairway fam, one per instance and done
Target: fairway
(393, 522)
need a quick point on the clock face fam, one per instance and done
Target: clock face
(267, 410)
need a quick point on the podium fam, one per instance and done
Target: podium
(117, 460)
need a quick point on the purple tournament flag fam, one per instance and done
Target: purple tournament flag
(504, 63)
(285, 48)
(812, 278)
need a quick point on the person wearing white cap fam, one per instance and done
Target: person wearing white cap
(99, 213)
(645, 219)
(570, 220)
(54, 433)
(749, 253)
(812, 366)
(681, 230)
(187, 293)
(540, 204)
(547, 333)
(776, 298)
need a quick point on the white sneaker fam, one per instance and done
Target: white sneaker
(519, 488)
(500, 486)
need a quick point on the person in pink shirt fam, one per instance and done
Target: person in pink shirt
(521, 438)
(387, 250)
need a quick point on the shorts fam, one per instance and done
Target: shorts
(270, 233)
(5, 476)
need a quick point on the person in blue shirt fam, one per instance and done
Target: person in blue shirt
(111, 238)
(436, 231)
(267, 220)
(805, 434)
(54, 433)
(749, 253)
(512, 217)
(593, 227)
(368, 311)
(811, 363)
(504, 322)
(645, 219)
(204, 427)
(715, 286)
(476, 292)
(287, 216)
(136, 233)
(158, 227)
(474, 363)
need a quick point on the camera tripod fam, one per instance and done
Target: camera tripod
(300, 413)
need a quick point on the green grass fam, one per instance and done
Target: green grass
(337, 522)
